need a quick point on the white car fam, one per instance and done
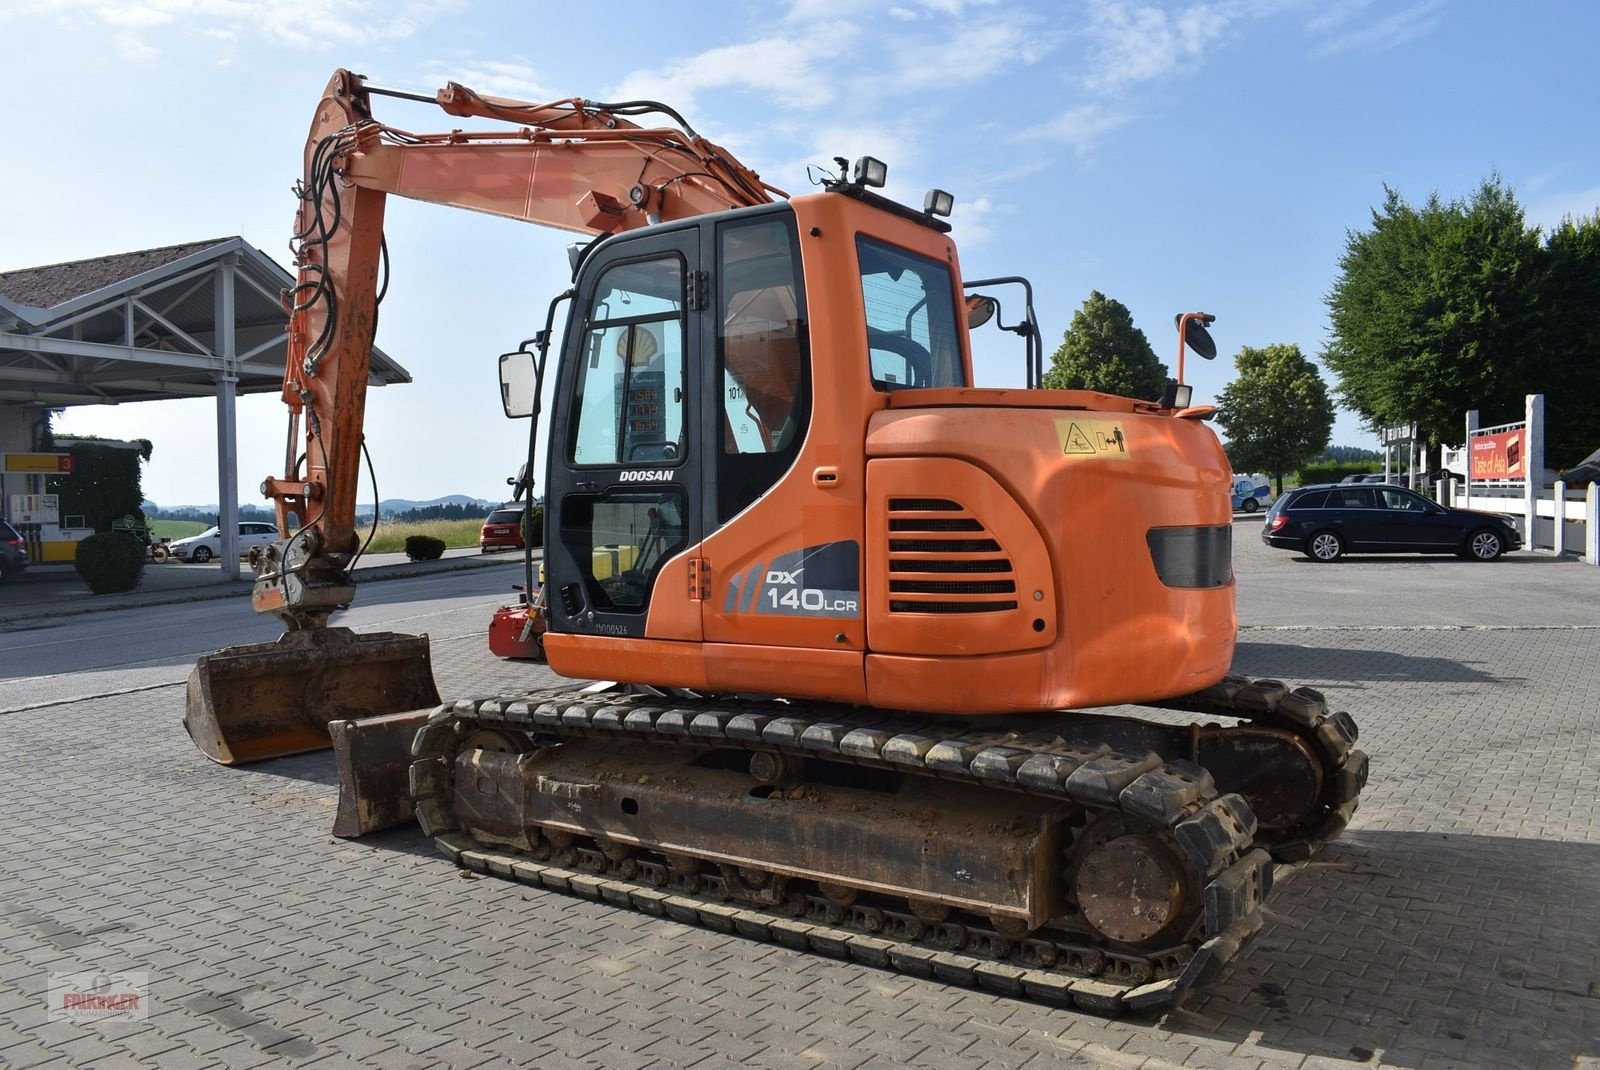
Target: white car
(208, 544)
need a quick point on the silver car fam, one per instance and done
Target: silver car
(208, 544)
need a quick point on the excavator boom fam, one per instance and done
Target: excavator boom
(574, 165)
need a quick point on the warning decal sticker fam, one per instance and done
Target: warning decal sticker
(1092, 438)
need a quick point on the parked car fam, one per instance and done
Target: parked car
(13, 552)
(208, 544)
(502, 529)
(1327, 521)
(1365, 477)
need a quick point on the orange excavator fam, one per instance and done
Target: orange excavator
(860, 618)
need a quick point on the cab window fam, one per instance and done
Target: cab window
(629, 401)
(911, 318)
(762, 358)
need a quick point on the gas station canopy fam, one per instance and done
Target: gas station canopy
(202, 319)
(150, 325)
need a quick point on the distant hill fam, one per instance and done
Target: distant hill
(401, 505)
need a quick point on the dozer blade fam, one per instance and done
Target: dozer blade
(266, 700)
(373, 756)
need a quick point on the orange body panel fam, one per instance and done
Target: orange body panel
(1066, 483)
(831, 675)
(1123, 634)
(604, 657)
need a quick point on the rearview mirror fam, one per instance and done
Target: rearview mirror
(980, 310)
(1199, 339)
(516, 383)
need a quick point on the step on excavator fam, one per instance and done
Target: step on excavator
(861, 620)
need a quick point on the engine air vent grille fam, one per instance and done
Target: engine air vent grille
(940, 523)
(923, 505)
(943, 546)
(945, 575)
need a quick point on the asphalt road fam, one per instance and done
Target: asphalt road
(48, 661)
(1453, 926)
(1281, 589)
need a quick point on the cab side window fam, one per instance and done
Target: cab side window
(762, 359)
(630, 390)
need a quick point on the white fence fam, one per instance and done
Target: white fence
(1578, 529)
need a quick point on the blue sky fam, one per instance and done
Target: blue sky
(1174, 156)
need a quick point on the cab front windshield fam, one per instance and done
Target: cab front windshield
(911, 318)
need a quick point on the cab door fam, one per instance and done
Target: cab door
(624, 504)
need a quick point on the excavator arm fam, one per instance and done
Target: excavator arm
(575, 165)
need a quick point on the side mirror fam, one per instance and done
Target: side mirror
(516, 383)
(980, 310)
(1197, 337)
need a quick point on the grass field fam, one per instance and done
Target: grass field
(176, 529)
(391, 538)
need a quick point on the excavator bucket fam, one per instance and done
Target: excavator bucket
(373, 756)
(266, 700)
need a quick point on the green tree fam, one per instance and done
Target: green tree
(1567, 342)
(1459, 305)
(1277, 414)
(104, 484)
(1102, 350)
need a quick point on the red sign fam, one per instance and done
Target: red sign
(1500, 455)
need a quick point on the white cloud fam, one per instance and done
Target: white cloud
(1081, 127)
(969, 52)
(786, 67)
(906, 10)
(1137, 44)
(1336, 13)
(130, 48)
(495, 78)
(283, 22)
(969, 221)
(1549, 209)
(1393, 30)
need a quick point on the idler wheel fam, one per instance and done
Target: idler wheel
(1132, 889)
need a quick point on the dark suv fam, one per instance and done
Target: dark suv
(13, 553)
(1327, 521)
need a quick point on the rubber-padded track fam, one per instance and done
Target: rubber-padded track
(1177, 798)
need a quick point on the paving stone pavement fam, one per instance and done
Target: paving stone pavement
(1453, 926)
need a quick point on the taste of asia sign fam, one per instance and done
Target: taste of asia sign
(1499, 455)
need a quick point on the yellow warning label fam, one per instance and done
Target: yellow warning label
(1092, 438)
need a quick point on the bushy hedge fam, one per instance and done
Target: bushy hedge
(110, 562)
(533, 525)
(1332, 472)
(424, 547)
(104, 484)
